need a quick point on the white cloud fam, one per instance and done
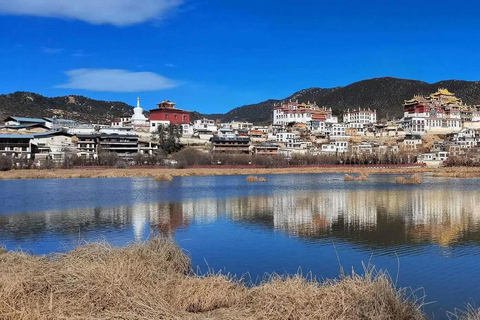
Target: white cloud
(49, 50)
(115, 12)
(116, 80)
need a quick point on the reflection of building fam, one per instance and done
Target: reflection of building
(393, 217)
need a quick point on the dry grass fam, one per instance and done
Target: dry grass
(147, 172)
(458, 172)
(162, 177)
(154, 281)
(256, 179)
(414, 179)
(470, 313)
(362, 177)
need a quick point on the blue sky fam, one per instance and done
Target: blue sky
(214, 55)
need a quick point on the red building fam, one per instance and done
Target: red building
(167, 112)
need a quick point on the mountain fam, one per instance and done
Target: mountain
(26, 104)
(386, 95)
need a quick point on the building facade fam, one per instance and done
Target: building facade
(360, 116)
(167, 114)
(294, 112)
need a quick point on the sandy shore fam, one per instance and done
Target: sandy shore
(167, 174)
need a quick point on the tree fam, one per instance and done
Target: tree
(168, 138)
(6, 163)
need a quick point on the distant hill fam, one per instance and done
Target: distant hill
(386, 95)
(27, 104)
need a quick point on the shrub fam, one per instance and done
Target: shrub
(192, 157)
(47, 164)
(108, 159)
(121, 164)
(6, 163)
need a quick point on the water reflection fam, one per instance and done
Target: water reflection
(371, 217)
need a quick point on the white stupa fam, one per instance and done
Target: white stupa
(138, 117)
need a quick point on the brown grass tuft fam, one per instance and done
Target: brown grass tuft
(414, 179)
(470, 313)
(362, 177)
(162, 177)
(252, 179)
(154, 281)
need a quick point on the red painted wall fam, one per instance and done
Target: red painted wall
(175, 116)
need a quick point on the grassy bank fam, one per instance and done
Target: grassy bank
(154, 281)
(167, 174)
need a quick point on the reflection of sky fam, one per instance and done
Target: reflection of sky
(277, 226)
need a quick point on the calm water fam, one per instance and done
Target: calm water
(429, 234)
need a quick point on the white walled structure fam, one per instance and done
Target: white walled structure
(138, 118)
(363, 116)
(205, 124)
(294, 112)
(336, 130)
(155, 124)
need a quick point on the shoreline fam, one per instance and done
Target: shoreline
(168, 173)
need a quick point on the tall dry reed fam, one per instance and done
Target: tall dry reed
(414, 179)
(155, 281)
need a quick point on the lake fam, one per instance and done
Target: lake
(427, 236)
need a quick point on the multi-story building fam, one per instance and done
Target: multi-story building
(205, 125)
(294, 112)
(267, 148)
(86, 145)
(242, 126)
(360, 116)
(336, 130)
(231, 145)
(125, 145)
(16, 145)
(411, 142)
(440, 112)
(54, 145)
(335, 147)
(167, 114)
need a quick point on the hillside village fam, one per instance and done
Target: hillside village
(435, 130)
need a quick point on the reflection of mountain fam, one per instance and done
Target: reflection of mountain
(378, 218)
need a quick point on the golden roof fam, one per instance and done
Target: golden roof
(442, 91)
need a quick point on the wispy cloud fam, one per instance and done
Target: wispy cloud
(80, 54)
(170, 65)
(115, 12)
(116, 80)
(49, 50)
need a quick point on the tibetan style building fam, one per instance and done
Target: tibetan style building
(167, 114)
(294, 112)
(440, 112)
